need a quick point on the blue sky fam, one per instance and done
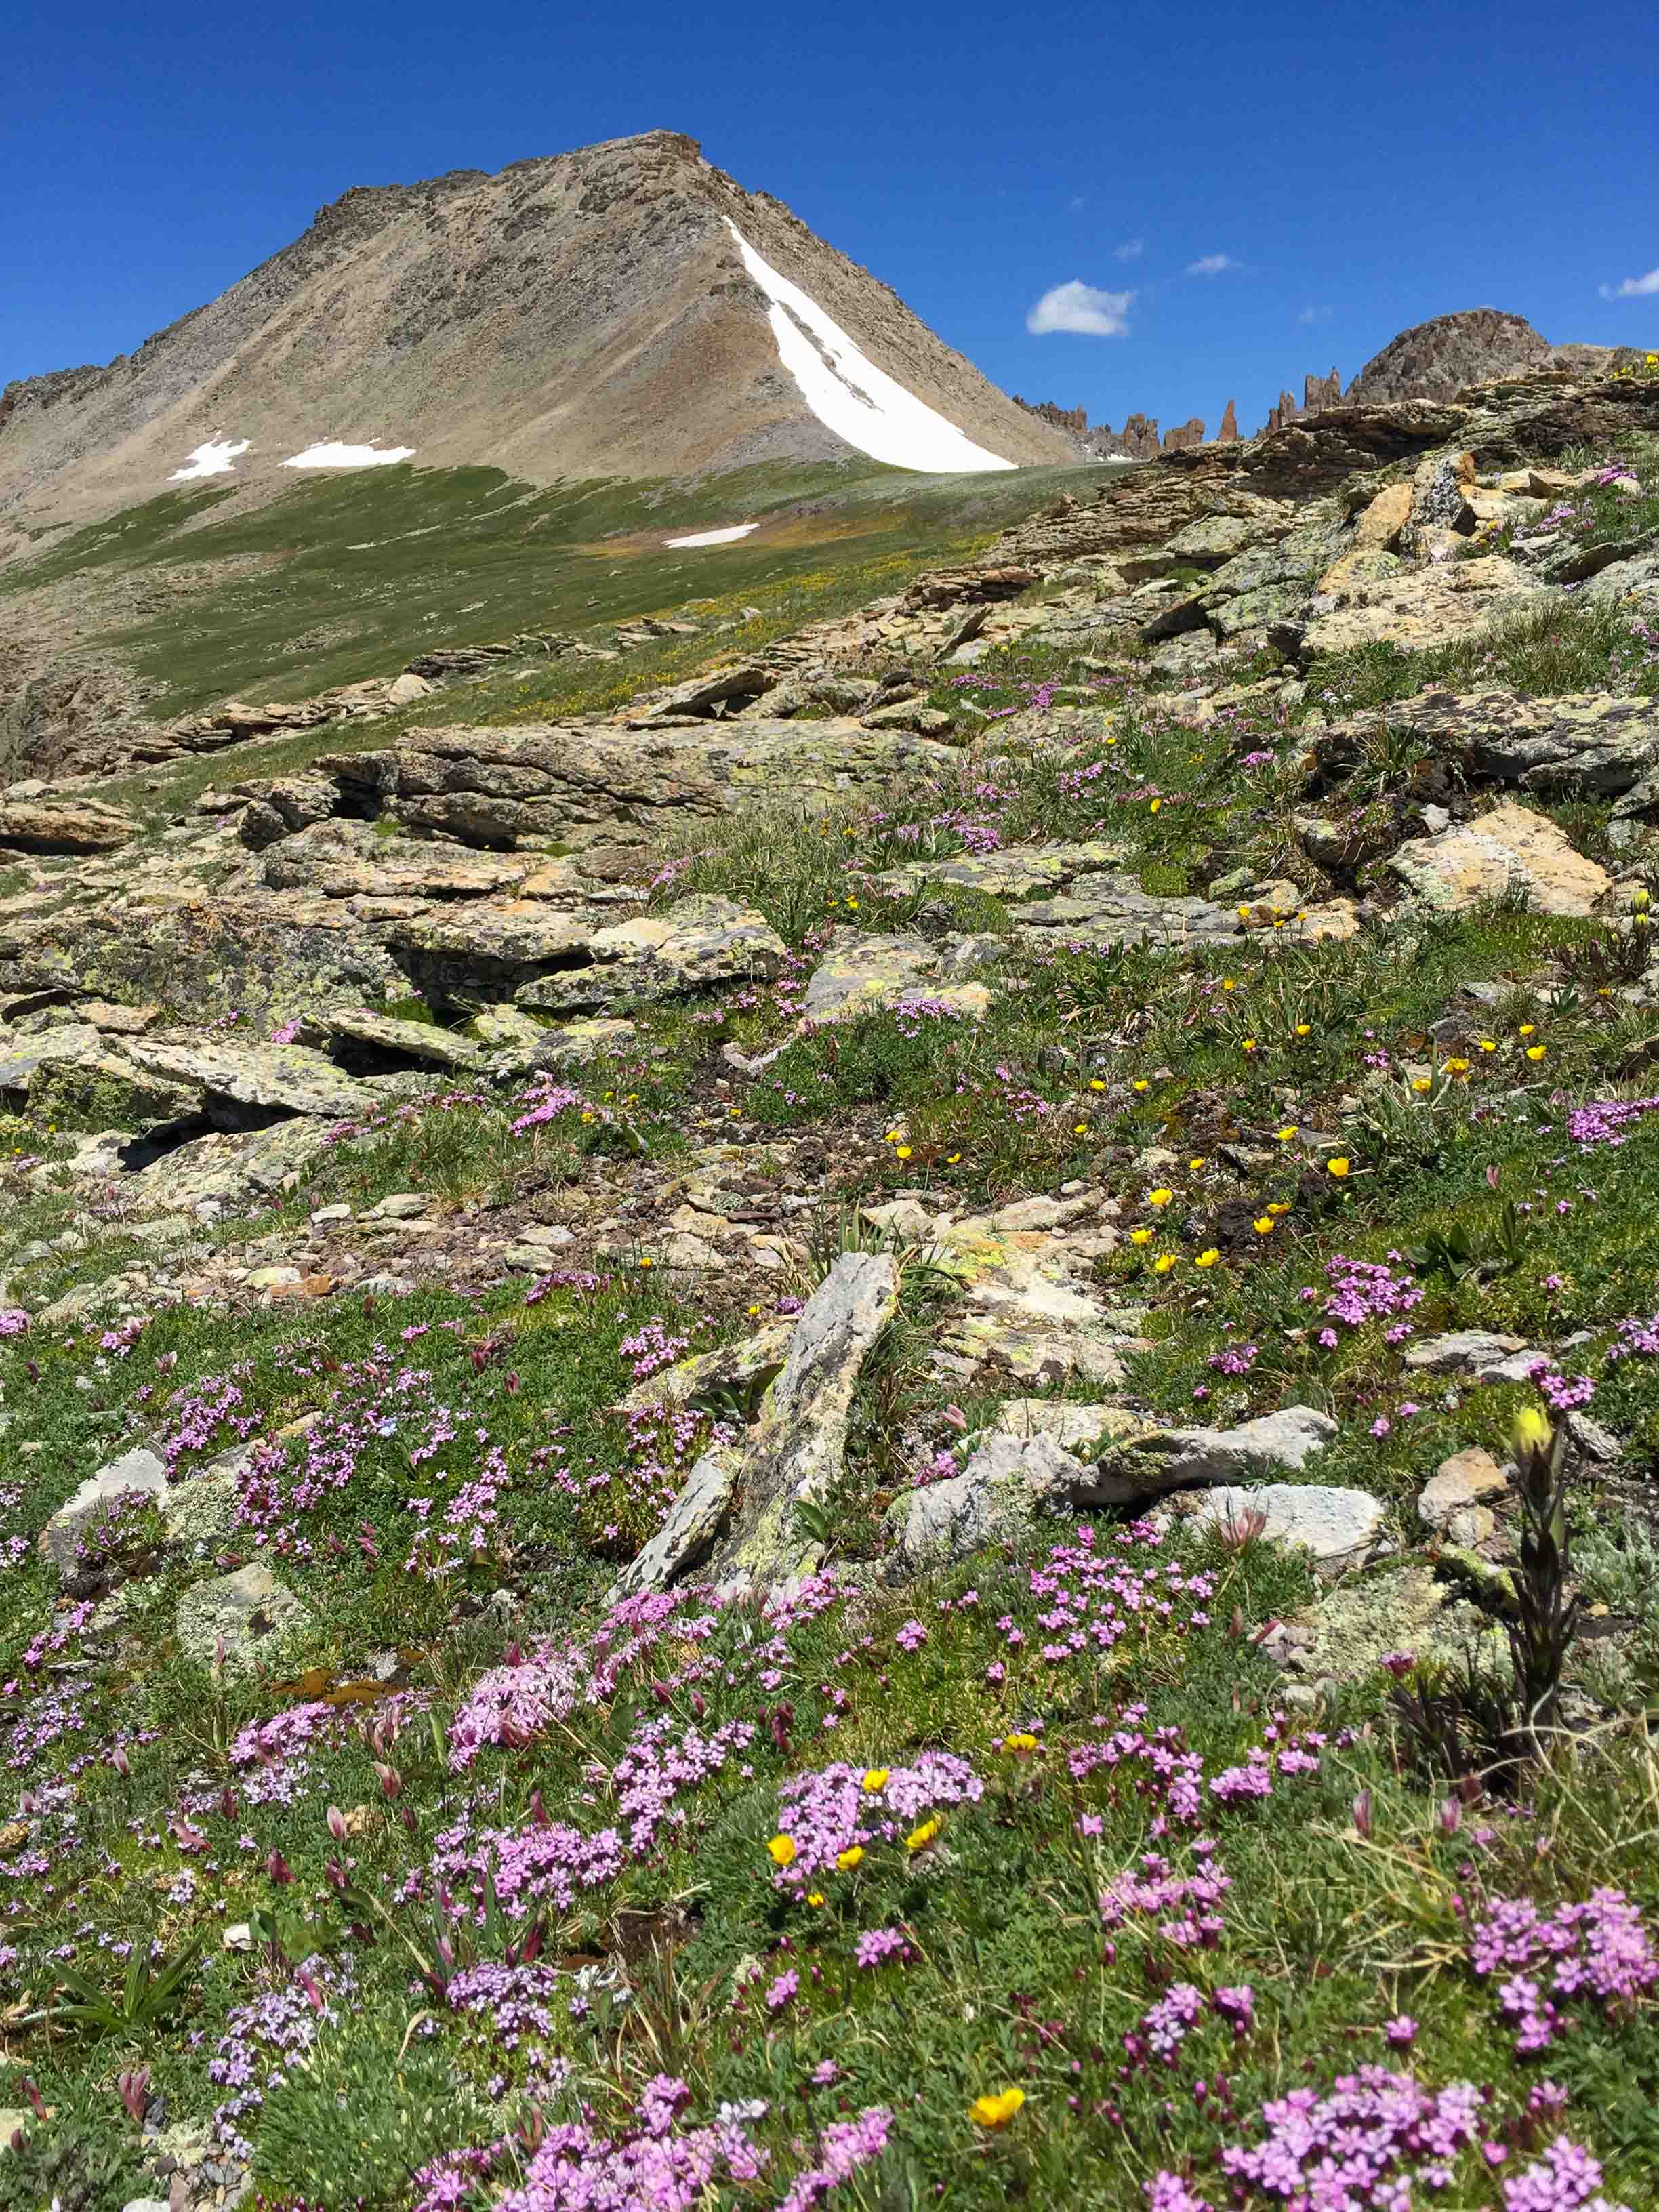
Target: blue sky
(1278, 190)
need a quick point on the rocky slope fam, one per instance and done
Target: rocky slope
(840, 1434)
(586, 315)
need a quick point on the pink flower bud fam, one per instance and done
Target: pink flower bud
(337, 1826)
(1362, 1813)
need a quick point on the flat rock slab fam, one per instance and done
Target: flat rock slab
(289, 1077)
(1476, 1351)
(701, 942)
(64, 825)
(419, 1041)
(1425, 606)
(1159, 1460)
(1014, 873)
(243, 1610)
(22, 1058)
(1511, 848)
(1337, 1526)
(1112, 907)
(1583, 744)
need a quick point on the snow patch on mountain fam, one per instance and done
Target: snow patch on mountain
(849, 394)
(331, 455)
(727, 537)
(215, 457)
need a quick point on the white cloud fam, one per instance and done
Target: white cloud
(1079, 307)
(1633, 288)
(1211, 264)
(1131, 249)
(1313, 315)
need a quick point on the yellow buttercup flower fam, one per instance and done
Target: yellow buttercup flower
(1198, 1163)
(1207, 1259)
(1095, 1083)
(1249, 1045)
(1304, 1029)
(1339, 1167)
(1487, 1044)
(1537, 1051)
(1285, 1134)
(1164, 1262)
(1421, 1082)
(1140, 1236)
(816, 1898)
(1020, 1743)
(997, 2111)
(1141, 1084)
(782, 1848)
(1279, 1205)
(1080, 1128)
(1263, 1224)
(1161, 1196)
(901, 1151)
(919, 1838)
(1228, 984)
(875, 1778)
(849, 1859)
(1526, 1029)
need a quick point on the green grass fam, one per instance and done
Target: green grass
(361, 571)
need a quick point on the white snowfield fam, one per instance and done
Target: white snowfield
(715, 536)
(331, 455)
(849, 394)
(213, 459)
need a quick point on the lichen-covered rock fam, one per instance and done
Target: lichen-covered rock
(137, 1472)
(289, 1077)
(228, 1622)
(797, 1448)
(1508, 850)
(862, 974)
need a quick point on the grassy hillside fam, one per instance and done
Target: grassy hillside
(361, 570)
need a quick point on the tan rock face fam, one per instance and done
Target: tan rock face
(1381, 523)
(1420, 607)
(1510, 847)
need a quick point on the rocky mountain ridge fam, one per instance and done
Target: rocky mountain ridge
(1434, 360)
(585, 315)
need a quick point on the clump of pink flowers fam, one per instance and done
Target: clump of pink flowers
(1599, 1951)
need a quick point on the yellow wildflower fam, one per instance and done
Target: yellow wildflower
(816, 1897)
(1095, 1083)
(919, 1838)
(1456, 1066)
(1532, 1430)
(1164, 1262)
(997, 2111)
(1019, 1745)
(1304, 1029)
(849, 1859)
(1285, 1134)
(1263, 1224)
(875, 1778)
(1420, 1083)
(1526, 1028)
(1161, 1196)
(782, 1848)
(1141, 1084)
(1537, 1051)
(1207, 1259)
(901, 1152)
(1339, 1167)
